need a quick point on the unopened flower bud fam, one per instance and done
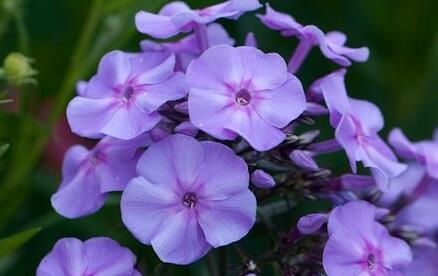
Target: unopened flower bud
(17, 69)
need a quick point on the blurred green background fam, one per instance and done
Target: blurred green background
(67, 38)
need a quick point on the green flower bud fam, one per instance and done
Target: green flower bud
(17, 69)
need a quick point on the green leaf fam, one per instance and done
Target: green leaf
(10, 244)
(3, 149)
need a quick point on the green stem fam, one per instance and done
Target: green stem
(30, 145)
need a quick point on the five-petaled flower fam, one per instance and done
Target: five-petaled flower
(122, 99)
(358, 245)
(357, 124)
(96, 256)
(243, 91)
(89, 175)
(190, 196)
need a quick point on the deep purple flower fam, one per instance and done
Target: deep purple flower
(190, 196)
(122, 99)
(357, 124)
(97, 256)
(89, 175)
(177, 17)
(262, 179)
(331, 44)
(188, 48)
(358, 245)
(243, 91)
(423, 152)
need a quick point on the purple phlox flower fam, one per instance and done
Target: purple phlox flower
(424, 263)
(188, 48)
(89, 175)
(186, 128)
(331, 44)
(357, 123)
(423, 152)
(251, 40)
(96, 256)
(311, 223)
(190, 196)
(123, 98)
(262, 179)
(304, 159)
(358, 245)
(422, 194)
(243, 91)
(177, 17)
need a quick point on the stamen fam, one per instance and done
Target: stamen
(190, 200)
(243, 97)
(371, 261)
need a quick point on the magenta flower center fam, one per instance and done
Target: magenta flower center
(243, 97)
(127, 92)
(190, 200)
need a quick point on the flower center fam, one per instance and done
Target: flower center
(127, 92)
(189, 200)
(371, 261)
(243, 97)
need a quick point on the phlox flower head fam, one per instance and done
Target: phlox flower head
(122, 99)
(243, 91)
(188, 48)
(358, 245)
(97, 256)
(89, 175)
(357, 123)
(423, 152)
(190, 196)
(331, 44)
(177, 17)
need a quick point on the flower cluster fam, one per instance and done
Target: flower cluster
(186, 125)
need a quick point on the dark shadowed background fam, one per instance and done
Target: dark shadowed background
(67, 38)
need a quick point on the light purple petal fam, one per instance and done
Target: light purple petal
(265, 71)
(396, 252)
(180, 239)
(280, 21)
(369, 116)
(356, 183)
(156, 95)
(222, 174)
(251, 40)
(280, 106)
(81, 87)
(216, 69)
(175, 161)
(401, 144)
(107, 257)
(259, 134)
(311, 223)
(262, 179)
(335, 96)
(424, 263)
(129, 121)
(114, 176)
(227, 221)
(80, 197)
(87, 117)
(73, 158)
(64, 259)
(151, 68)
(209, 110)
(145, 206)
